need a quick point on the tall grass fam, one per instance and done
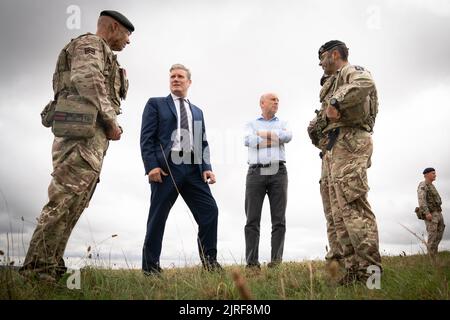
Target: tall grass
(404, 277)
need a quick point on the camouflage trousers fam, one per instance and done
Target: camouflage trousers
(335, 250)
(435, 230)
(355, 223)
(76, 170)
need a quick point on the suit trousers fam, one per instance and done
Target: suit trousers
(259, 184)
(197, 195)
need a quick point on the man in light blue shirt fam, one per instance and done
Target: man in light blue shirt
(265, 138)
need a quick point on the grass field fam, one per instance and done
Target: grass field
(404, 277)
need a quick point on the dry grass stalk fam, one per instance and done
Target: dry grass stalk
(311, 276)
(241, 285)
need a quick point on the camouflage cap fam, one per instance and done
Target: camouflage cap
(330, 45)
(428, 170)
(119, 18)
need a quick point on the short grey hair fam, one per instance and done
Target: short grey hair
(179, 66)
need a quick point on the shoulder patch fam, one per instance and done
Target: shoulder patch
(89, 50)
(359, 68)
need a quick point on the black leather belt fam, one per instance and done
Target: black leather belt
(266, 165)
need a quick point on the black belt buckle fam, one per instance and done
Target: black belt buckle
(266, 165)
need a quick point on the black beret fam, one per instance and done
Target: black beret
(330, 45)
(427, 170)
(119, 18)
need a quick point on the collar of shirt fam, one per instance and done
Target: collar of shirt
(261, 118)
(176, 98)
(176, 146)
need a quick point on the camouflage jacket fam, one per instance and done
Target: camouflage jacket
(355, 91)
(429, 199)
(88, 70)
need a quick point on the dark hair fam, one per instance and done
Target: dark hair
(343, 51)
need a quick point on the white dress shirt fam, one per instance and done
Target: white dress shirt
(176, 143)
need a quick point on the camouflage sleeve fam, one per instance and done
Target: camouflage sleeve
(88, 63)
(422, 196)
(358, 85)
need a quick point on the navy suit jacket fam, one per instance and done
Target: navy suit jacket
(159, 121)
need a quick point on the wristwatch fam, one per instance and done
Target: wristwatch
(334, 103)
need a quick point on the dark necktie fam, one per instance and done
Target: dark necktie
(184, 124)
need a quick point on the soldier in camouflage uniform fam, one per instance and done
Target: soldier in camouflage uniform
(319, 139)
(87, 71)
(430, 207)
(351, 110)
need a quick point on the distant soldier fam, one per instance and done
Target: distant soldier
(351, 110)
(431, 211)
(319, 139)
(88, 85)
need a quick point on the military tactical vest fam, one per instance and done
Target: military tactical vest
(320, 122)
(361, 115)
(433, 199)
(76, 117)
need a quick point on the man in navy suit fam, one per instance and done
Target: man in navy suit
(176, 159)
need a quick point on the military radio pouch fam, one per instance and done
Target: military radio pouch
(419, 213)
(74, 119)
(48, 113)
(315, 128)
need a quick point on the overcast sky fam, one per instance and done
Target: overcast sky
(236, 50)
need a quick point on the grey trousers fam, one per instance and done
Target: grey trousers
(257, 186)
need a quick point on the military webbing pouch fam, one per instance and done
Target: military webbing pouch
(48, 113)
(123, 84)
(419, 213)
(75, 119)
(316, 127)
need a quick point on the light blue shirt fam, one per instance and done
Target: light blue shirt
(257, 155)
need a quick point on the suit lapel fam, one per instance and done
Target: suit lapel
(194, 114)
(171, 104)
(196, 134)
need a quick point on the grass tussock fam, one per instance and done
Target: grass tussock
(404, 277)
